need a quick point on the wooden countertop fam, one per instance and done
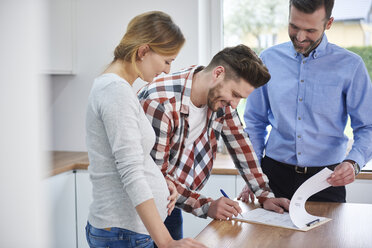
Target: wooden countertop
(350, 226)
(63, 161)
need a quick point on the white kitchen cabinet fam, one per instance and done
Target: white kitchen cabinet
(83, 199)
(70, 195)
(360, 191)
(193, 225)
(61, 195)
(60, 38)
(240, 183)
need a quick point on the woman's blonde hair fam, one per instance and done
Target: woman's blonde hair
(154, 28)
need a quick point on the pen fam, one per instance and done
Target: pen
(313, 222)
(225, 195)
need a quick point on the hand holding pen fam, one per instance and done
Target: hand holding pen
(223, 208)
(225, 195)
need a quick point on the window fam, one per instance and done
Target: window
(262, 23)
(257, 23)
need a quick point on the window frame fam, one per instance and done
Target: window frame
(217, 41)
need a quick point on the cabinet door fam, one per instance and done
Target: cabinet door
(83, 200)
(61, 200)
(360, 191)
(240, 183)
(60, 38)
(193, 225)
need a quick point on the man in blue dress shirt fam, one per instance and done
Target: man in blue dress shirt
(314, 87)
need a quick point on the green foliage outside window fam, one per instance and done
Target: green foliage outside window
(366, 54)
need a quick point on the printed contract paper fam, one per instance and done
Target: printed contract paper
(297, 218)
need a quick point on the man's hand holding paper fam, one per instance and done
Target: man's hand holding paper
(343, 174)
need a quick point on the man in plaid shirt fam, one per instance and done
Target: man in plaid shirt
(189, 110)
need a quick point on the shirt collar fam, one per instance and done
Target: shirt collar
(185, 102)
(317, 52)
(187, 90)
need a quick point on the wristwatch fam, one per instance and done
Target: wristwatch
(355, 165)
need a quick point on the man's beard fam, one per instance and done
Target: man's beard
(212, 97)
(312, 46)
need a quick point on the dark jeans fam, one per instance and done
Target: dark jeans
(116, 238)
(174, 224)
(284, 181)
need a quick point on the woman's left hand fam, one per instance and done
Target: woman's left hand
(173, 196)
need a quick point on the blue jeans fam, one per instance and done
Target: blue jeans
(116, 238)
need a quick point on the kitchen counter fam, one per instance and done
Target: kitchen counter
(63, 161)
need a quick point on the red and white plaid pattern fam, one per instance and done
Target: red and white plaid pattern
(166, 104)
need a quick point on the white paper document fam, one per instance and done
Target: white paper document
(313, 185)
(263, 216)
(297, 218)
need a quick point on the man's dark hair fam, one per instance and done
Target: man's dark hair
(241, 62)
(310, 6)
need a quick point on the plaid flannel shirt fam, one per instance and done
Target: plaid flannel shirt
(166, 104)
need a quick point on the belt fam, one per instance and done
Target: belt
(307, 170)
(107, 228)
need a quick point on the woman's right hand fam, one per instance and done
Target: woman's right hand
(173, 196)
(185, 243)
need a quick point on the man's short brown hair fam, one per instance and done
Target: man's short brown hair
(310, 6)
(241, 62)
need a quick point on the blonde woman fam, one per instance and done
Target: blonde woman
(131, 198)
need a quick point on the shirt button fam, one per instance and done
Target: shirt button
(303, 62)
(299, 118)
(299, 153)
(300, 99)
(299, 136)
(302, 81)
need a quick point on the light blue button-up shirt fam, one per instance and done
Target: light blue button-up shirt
(307, 103)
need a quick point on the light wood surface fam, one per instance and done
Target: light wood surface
(62, 161)
(351, 226)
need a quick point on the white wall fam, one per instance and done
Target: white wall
(23, 211)
(99, 28)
